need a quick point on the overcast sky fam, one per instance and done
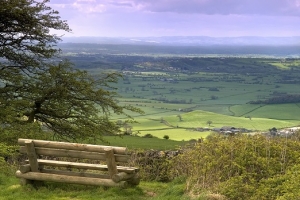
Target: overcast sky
(216, 18)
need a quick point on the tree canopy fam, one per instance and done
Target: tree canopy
(37, 87)
(25, 39)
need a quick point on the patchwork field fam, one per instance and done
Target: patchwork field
(179, 93)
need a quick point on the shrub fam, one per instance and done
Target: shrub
(166, 137)
(213, 89)
(7, 154)
(281, 187)
(148, 135)
(238, 167)
(154, 165)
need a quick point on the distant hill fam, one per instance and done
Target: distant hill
(189, 40)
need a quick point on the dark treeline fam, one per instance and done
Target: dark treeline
(289, 98)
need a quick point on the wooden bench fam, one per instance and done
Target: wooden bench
(39, 166)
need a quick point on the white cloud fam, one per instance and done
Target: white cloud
(223, 7)
(181, 17)
(89, 8)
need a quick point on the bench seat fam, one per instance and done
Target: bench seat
(54, 161)
(77, 165)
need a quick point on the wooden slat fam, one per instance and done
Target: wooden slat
(72, 173)
(73, 146)
(30, 150)
(70, 179)
(111, 162)
(99, 167)
(75, 154)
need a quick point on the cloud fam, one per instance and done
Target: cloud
(207, 7)
(89, 8)
(223, 7)
(180, 17)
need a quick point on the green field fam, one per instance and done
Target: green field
(133, 142)
(200, 88)
(278, 111)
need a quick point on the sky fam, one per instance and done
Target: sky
(155, 18)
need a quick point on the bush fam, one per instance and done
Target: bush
(148, 135)
(7, 154)
(154, 165)
(281, 187)
(240, 167)
(166, 137)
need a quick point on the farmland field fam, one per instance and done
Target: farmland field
(182, 92)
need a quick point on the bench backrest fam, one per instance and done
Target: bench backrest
(74, 150)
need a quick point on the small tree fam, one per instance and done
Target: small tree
(179, 117)
(213, 97)
(166, 137)
(209, 122)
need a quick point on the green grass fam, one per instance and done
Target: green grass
(178, 134)
(243, 80)
(10, 189)
(200, 118)
(263, 117)
(278, 111)
(135, 142)
(243, 110)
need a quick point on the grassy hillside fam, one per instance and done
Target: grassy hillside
(133, 142)
(200, 118)
(278, 111)
(169, 123)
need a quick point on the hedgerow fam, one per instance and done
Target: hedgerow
(241, 167)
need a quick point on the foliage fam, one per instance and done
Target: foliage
(281, 187)
(287, 98)
(209, 122)
(37, 87)
(240, 167)
(25, 39)
(148, 135)
(154, 164)
(6, 154)
(67, 101)
(26, 45)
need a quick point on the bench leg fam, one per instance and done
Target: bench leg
(34, 183)
(24, 181)
(135, 180)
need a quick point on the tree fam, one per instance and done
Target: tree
(273, 131)
(209, 122)
(213, 97)
(25, 39)
(166, 137)
(179, 117)
(39, 90)
(65, 100)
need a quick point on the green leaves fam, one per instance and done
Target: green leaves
(242, 167)
(37, 88)
(67, 101)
